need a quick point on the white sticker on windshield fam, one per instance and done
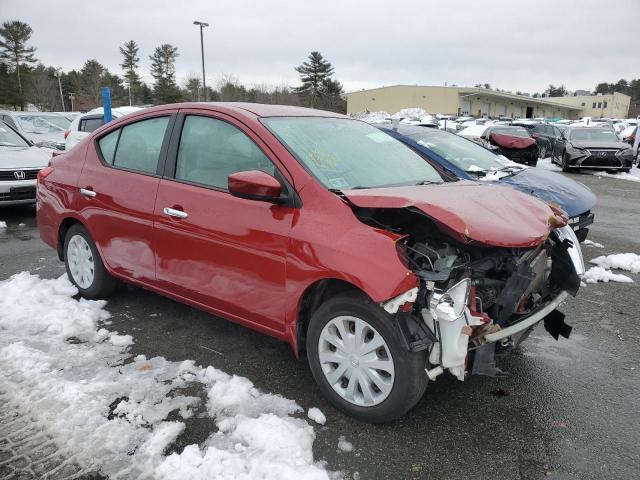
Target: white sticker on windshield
(380, 137)
(338, 183)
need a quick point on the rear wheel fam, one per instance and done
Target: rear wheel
(543, 151)
(357, 358)
(84, 265)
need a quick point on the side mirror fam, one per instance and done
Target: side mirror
(255, 185)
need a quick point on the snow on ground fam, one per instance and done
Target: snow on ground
(589, 243)
(619, 261)
(344, 445)
(599, 274)
(3, 225)
(632, 176)
(547, 164)
(317, 416)
(108, 410)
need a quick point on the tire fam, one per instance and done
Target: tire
(79, 252)
(564, 163)
(542, 151)
(625, 170)
(403, 387)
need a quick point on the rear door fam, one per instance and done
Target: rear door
(118, 187)
(222, 252)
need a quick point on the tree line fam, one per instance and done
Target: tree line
(24, 80)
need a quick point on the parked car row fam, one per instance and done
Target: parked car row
(369, 256)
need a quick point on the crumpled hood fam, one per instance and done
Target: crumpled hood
(573, 197)
(16, 158)
(489, 214)
(511, 141)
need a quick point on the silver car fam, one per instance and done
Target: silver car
(20, 162)
(44, 129)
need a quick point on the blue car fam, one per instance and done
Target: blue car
(466, 160)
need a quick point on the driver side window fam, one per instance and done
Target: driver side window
(210, 150)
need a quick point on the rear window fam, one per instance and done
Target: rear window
(90, 124)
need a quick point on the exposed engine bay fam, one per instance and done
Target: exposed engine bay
(471, 295)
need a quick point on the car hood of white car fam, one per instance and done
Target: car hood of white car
(12, 158)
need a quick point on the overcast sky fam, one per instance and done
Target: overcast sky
(514, 45)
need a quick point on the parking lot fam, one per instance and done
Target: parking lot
(566, 410)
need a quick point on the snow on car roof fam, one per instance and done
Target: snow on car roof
(473, 131)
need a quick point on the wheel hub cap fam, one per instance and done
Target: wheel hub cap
(80, 260)
(356, 361)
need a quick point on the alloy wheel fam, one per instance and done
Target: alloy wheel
(356, 361)
(80, 259)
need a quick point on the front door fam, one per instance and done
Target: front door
(221, 252)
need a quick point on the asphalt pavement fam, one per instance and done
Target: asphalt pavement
(568, 409)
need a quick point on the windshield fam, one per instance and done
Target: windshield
(594, 135)
(9, 138)
(344, 154)
(463, 153)
(34, 123)
(514, 132)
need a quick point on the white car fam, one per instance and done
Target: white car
(20, 162)
(83, 125)
(44, 129)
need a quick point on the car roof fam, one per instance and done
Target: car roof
(257, 109)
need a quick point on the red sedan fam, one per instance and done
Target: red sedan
(317, 229)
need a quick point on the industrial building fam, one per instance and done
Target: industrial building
(481, 102)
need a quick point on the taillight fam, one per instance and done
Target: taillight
(42, 174)
(66, 133)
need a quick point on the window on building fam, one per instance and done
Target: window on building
(599, 104)
(605, 104)
(583, 104)
(594, 105)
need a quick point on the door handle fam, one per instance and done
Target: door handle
(172, 212)
(87, 192)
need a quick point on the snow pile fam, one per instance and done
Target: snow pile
(619, 261)
(373, 117)
(620, 176)
(317, 416)
(589, 243)
(109, 411)
(547, 164)
(3, 225)
(344, 445)
(599, 274)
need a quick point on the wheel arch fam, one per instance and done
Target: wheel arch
(313, 296)
(63, 228)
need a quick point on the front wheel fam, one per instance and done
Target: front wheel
(543, 151)
(84, 265)
(565, 162)
(357, 359)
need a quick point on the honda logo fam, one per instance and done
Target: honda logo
(19, 175)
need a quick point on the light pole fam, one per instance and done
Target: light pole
(57, 74)
(72, 97)
(204, 82)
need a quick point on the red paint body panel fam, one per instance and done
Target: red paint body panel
(254, 183)
(252, 261)
(511, 141)
(488, 214)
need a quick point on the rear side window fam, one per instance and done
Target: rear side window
(107, 145)
(211, 150)
(90, 124)
(139, 145)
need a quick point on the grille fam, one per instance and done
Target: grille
(8, 175)
(602, 158)
(21, 194)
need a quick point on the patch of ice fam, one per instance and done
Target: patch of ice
(317, 416)
(589, 243)
(109, 411)
(344, 445)
(619, 261)
(599, 274)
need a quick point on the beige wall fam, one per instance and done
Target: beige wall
(617, 105)
(447, 100)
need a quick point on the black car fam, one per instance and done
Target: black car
(545, 135)
(592, 147)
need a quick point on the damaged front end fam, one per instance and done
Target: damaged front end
(472, 296)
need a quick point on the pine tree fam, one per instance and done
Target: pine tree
(14, 36)
(129, 64)
(313, 75)
(163, 71)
